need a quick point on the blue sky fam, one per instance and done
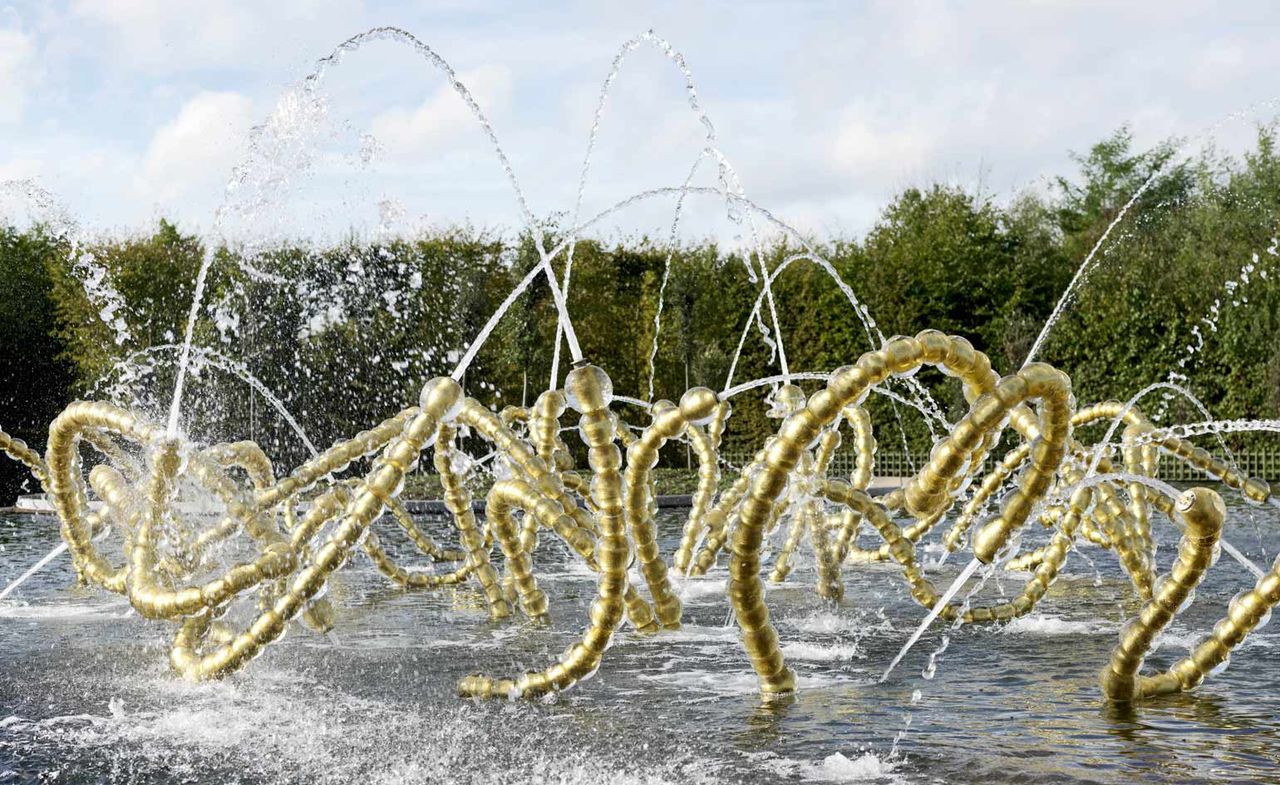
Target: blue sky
(129, 110)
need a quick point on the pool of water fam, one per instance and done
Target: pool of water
(86, 694)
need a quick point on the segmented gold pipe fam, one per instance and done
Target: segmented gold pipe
(1202, 513)
(612, 516)
(591, 390)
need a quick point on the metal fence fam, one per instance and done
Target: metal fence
(1255, 462)
(1261, 463)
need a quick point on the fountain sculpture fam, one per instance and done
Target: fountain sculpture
(609, 519)
(291, 535)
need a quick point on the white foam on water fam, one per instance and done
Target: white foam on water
(1176, 638)
(690, 633)
(575, 569)
(1179, 638)
(819, 652)
(832, 623)
(543, 768)
(281, 726)
(1038, 624)
(867, 767)
(65, 611)
(700, 588)
(15, 723)
(387, 641)
(836, 767)
(738, 682)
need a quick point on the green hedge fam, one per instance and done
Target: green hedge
(354, 329)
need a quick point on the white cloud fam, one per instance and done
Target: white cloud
(876, 156)
(1221, 62)
(444, 116)
(192, 155)
(17, 56)
(150, 32)
(824, 110)
(149, 35)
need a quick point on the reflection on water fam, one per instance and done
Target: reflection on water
(86, 696)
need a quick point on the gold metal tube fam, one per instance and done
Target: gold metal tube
(590, 390)
(504, 499)
(1202, 513)
(703, 497)
(458, 499)
(383, 482)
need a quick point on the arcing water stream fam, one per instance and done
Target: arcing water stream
(209, 541)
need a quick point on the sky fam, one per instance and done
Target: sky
(132, 110)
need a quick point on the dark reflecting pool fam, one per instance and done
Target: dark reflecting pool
(86, 694)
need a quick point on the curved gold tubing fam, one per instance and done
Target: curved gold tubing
(844, 546)
(830, 586)
(704, 446)
(1140, 461)
(799, 525)
(603, 519)
(410, 579)
(458, 501)
(425, 545)
(144, 517)
(1246, 612)
(669, 422)
(902, 550)
(414, 579)
(123, 509)
(18, 450)
(1140, 454)
(591, 391)
(927, 492)
(720, 519)
(1202, 513)
(383, 482)
(807, 518)
(504, 499)
(1127, 531)
(544, 429)
(576, 526)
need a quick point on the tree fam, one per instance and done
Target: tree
(35, 379)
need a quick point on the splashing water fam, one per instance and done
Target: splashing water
(943, 601)
(1168, 491)
(1085, 266)
(35, 568)
(45, 208)
(310, 87)
(215, 359)
(191, 356)
(729, 182)
(1256, 266)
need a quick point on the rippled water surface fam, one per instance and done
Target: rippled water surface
(86, 694)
